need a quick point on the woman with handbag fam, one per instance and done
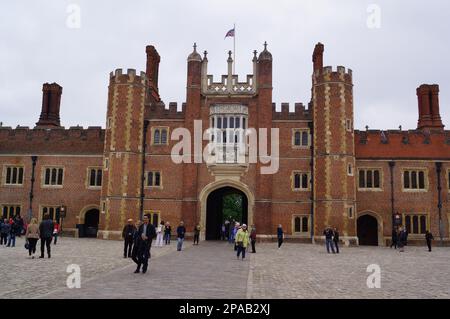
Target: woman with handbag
(32, 235)
(242, 241)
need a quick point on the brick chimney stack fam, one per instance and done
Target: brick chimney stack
(152, 71)
(51, 100)
(318, 57)
(429, 114)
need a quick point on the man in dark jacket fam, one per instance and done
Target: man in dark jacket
(336, 239)
(146, 234)
(127, 234)
(5, 230)
(328, 233)
(394, 238)
(429, 237)
(46, 232)
(181, 231)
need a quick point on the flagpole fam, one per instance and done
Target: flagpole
(234, 49)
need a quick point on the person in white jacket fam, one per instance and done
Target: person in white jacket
(160, 234)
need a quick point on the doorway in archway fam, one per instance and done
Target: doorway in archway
(226, 203)
(367, 230)
(91, 220)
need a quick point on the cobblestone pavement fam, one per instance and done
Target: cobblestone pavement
(211, 270)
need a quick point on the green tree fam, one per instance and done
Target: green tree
(232, 207)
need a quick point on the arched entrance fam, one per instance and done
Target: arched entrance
(367, 230)
(226, 203)
(224, 183)
(91, 220)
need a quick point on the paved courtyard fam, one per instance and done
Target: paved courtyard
(212, 271)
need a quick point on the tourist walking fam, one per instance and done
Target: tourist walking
(394, 238)
(236, 228)
(18, 220)
(127, 235)
(253, 238)
(134, 251)
(242, 241)
(14, 231)
(336, 239)
(328, 233)
(403, 239)
(32, 236)
(45, 233)
(146, 234)
(56, 229)
(167, 233)
(4, 232)
(181, 231)
(280, 235)
(197, 234)
(429, 237)
(160, 234)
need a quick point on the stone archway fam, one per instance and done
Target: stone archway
(224, 183)
(88, 221)
(369, 228)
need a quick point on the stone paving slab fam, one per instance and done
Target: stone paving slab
(211, 270)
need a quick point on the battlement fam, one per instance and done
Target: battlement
(159, 111)
(130, 77)
(327, 74)
(75, 140)
(226, 86)
(300, 112)
(402, 144)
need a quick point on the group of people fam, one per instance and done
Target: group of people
(400, 238)
(331, 239)
(10, 229)
(47, 231)
(138, 239)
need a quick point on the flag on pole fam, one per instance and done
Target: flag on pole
(230, 34)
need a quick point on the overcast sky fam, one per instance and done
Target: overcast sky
(38, 45)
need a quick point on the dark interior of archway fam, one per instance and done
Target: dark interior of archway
(91, 220)
(224, 203)
(367, 229)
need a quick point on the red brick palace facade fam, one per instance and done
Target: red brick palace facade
(329, 174)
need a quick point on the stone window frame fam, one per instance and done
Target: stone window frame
(88, 177)
(370, 189)
(427, 223)
(350, 167)
(41, 212)
(106, 163)
(293, 173)
(160, 128)
(301, 131)
(301, 233)
(349, 125)
(152, 212)
(160, 186)
(5, 168)
(15, 209)
(44, 168)
(347, 211)
(415, 190)
(447, 176)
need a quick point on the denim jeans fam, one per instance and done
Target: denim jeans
(180, 243)
(329, 244)
(239, 250)
(167, 239)
(11, 239)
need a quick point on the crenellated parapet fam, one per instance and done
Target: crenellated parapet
(159, 111)
(327, 74)
(75, 140)
(129, 77)
(394, 144)
(300, 112)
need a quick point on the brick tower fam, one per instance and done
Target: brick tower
(51, 101)
(334, 151)
(123, 153)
